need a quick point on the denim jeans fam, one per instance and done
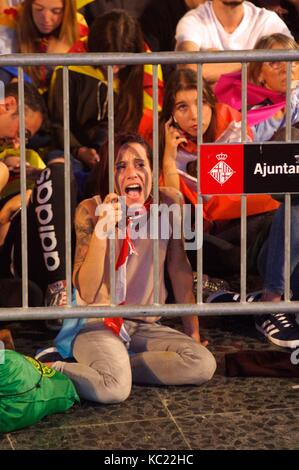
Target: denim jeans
(271, 257)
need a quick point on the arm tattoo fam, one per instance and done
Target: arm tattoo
(84, 226)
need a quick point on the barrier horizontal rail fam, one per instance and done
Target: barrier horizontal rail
(168, 310)
(154, 58)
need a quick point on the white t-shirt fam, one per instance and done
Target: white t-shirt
(203, 28)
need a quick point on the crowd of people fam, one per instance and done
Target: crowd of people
(109, 355)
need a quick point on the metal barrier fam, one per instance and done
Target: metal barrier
(200, 308)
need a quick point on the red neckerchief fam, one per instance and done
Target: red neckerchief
(116, 324)
(128, 247)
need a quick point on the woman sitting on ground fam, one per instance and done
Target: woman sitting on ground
(155, 354)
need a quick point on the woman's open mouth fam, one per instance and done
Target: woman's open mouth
(133, 191)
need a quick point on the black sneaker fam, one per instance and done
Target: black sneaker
(11, 293)
(52, 355)
(48, 355)
(229, 296)
(56, 296)
(210, 285)
(279, 328)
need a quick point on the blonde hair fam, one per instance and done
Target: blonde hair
(267, 42)
(29, 35)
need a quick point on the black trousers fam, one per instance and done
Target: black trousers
(221, 247)
(46, 231)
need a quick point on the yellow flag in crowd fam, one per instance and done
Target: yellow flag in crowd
(82, 3)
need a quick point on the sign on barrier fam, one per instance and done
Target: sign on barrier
(249, 169)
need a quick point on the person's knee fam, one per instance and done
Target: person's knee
(208, 368)
(117, 392)
(112, 392)
(203, 367)
(111, 384)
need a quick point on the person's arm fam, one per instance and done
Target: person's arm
(173, 139)
(8, 212)
(92, 231)
(87, 155)
(4, 176)
(211, 72)
(265, 130)
(12, 205)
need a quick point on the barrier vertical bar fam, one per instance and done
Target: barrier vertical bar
(24, 233)
(67, 185)
(287, 219)
(243, 265)
(155, 184)
(111, 177)
(199, 211)
(288, 136)
(287, 249)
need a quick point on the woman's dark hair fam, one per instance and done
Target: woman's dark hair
(98, 182)
(117, 31)
(183, 80)
(33, 99)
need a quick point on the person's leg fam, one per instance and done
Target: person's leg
(271, 258)
(221, 249)
(295, 283)
(46, 236)
(11, 293)
(48, 205)
(102, 372)
(164, 356)
(281, 329)
(220, 257)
